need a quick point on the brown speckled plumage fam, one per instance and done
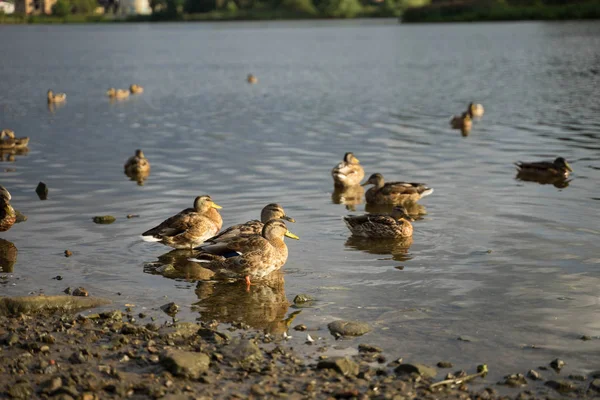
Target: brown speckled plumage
(396, 225)
(189, 228)
(8, 216)
(137, 164)
(394, 192)
(348, 173)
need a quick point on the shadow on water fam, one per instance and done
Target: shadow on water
(397, 248)
(350, 196)
(8, 256)
(415, 210)
(559, 182)
(264, 306)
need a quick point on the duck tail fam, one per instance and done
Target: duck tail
(427, 191)
(149, 238)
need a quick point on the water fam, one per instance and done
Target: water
(380, 89)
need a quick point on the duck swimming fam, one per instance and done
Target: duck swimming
(394, 192)
(396, 225)
(349, 172)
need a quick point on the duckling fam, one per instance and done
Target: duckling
(7, 142)
(394, 192)
(254, 227)
(557, 168)
(136, 89)
(137, 164)
(189, 228)
(349, 172)
(396, 225)
(117, 93)
(56, 98)
(462, 122)
(475, 110)
(252, 79)
(8, 216)
(248, 257)
(20, 143)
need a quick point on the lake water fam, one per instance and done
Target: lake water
(512, 265)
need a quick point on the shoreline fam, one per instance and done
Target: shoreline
(56, 351)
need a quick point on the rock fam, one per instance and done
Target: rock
(595, 385)
(367, 348)
(20, 217)
(213, 336)
(420, 369)
(585, 337)
(42, 191)
(185, 363)
(80, 291)
(114, 315)
(104, 219)
(300, 327)
(21, 390)
(444, 364)
(514, 380)
(179, 330)
(348, 328)
(580, 378)
(341, 365)
(170, 309)
(68, 253)
(129, 216)
(534, 375)
(242, 351)
(466, 339)
(557, 364)
(302, 298)
(11, 339)
(561, 386)
(52, 385)
(32, 304)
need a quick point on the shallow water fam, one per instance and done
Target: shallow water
(510, 264)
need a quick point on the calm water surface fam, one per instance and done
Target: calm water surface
(509, 264)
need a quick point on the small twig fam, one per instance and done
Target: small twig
(482, 371)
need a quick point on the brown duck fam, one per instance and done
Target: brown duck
(394, 192)
(189, 228)
(8, 216)
(396, 225)
(137, 164)
(543, 169)
(349, 172)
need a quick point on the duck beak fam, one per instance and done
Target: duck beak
(215, 205)
(365, 184)
(288, 218)
(291, 235)
(357, 160)
(568, 167)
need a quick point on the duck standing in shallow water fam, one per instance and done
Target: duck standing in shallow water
(376, 226)
(248, 257)
(8, 216)
(394, 192)
(189, 228)
(56, 98)
(545, 169)
(348, 173)
(254, 227)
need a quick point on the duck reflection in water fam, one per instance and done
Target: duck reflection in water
(558, 181)
(397, 248)
(350, 196)
(175, 265)
(8, 256)
(264, 307)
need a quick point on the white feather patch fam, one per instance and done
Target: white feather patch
(150, 239)
(198, 260)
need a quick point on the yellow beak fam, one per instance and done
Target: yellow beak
(365, 184)
(291, 235)
(568, 167)
(215, 205)
(357, 160)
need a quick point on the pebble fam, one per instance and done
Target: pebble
(42, 191)
(514, 380)
(585, 337)
(185, 363)
(420, 369)
(534, 375)
(557, 364)
(595, 385)
(444, 364)
(561, 386)
(341, 365)
(80, 291)
(300, 327)
(302, 298)
(368, 348)
(348, 328)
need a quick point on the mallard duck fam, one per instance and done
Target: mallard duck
(56, 98)
(20, 143)
(252, 79)
(8, 216)
(248, 257)
(557, 168)
(475, 110)
(254, 227)
(190, 228)
(6, 141)
(462, 121)
(136, 89)
(349, 172)
(137, 164)
(117, 93)
(396, 225)
(394, 192)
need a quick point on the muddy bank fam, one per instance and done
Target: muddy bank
(119, 354)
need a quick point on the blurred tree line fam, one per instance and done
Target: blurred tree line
(62, 8)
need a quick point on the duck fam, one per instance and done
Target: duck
(6, 141)
(8, 216)
(20, 143)
(137, 164)
(381, 226)
(349, 172)
(189, 228)
(475, 110)
(117, 93)
(251, 79)
(56, 97)
(394, 192)
(248, 257)
(462, 122)
(136, 89)
(253, 227)
(557, 168)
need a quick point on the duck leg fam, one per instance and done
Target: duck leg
(248, 283)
